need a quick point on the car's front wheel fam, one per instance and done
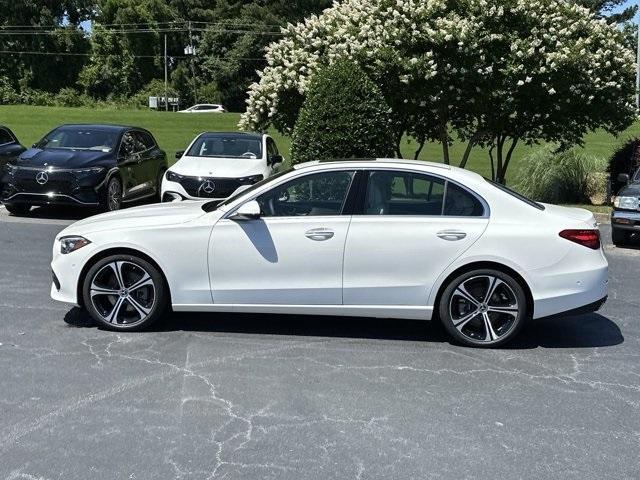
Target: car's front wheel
(483, 308)
(112, 196)
(18, 209)
(124, 292)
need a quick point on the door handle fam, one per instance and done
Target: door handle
(319, 234)
(451, 235)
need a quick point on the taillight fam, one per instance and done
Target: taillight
(587, 238)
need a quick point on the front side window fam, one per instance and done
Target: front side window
(5, 137)
(80, 138)
(403, 193)
(311, 195)
(226, 145)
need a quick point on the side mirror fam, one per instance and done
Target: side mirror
(179, 154)
(275, 159)
(247, 211)
(623, 178)
(34, 145)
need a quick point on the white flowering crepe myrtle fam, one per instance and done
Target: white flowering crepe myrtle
(492, 72)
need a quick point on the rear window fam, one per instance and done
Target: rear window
(515, 194)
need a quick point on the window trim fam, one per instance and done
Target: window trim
(11, 136)
(362, 195)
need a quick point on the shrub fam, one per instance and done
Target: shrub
(8, 95)
(343, 116)
(32, 96)
(69, 97)
(569, 176)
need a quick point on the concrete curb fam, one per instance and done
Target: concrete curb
(602, 218)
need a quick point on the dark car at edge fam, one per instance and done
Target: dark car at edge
(102, 166)
(625, 218)
(10, 147)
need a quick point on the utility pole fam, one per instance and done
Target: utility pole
(193, 68)
(166, 91)
(638, 70)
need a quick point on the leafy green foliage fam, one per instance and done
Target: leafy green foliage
(343, 116)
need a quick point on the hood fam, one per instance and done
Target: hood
(631, 190)
(59, 158)
(218, 167)
(158, 214)
(579, 214)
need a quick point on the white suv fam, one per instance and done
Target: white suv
(216, 164)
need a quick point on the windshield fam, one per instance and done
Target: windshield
(211, 206)
(226, 146)
(80, 138)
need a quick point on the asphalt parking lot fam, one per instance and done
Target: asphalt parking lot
(267, 396)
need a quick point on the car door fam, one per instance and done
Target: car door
(408, 228)
(152, 159)
(292, 254)
(131, 165)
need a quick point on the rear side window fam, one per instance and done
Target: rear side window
(461, 203)
(5, 137)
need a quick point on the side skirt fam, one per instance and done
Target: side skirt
(380, 311)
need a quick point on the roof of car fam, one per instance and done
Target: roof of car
(239, 134)
(100, 126)
(396, 161)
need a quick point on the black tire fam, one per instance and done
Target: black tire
(18, 209)
(138, 306)
(620, 237)
(112, 195)
(465, 319)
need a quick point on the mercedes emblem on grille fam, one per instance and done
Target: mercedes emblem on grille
(208, 187)
(42, 178)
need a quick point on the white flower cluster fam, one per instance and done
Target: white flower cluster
(534, 60)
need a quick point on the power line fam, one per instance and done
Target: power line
(79, 54)
(150, 24)
(141, 31)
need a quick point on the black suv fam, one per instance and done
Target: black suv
(84, 165)
(625, 218)
(10, 147)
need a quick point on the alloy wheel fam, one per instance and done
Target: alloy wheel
(483, 308)
(123, 293)
(114, 195)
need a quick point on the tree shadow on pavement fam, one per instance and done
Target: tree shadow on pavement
(584, 331)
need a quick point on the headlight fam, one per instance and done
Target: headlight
(173, 177)
(85, 172)
(72, 243)
(250, 180)
(11, 168)
(626, 203)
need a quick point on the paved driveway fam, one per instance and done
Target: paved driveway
(248, 396)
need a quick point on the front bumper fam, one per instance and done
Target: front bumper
(626, 220)
(61, 188)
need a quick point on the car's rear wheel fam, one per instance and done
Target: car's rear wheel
(124, 292)
(483, 308)
(18, 209)
(620, 237)
(112, 196)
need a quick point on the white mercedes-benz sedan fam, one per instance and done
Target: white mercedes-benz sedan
(380, 238)
(216, 164)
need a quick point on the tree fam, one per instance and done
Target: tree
(603, 9)
(343, 116)
(492, 72)
(232, 50)
(61, 48)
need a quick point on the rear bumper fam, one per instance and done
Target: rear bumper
(591, 307)
(570, 292)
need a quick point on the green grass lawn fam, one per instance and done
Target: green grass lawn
(174, 131)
